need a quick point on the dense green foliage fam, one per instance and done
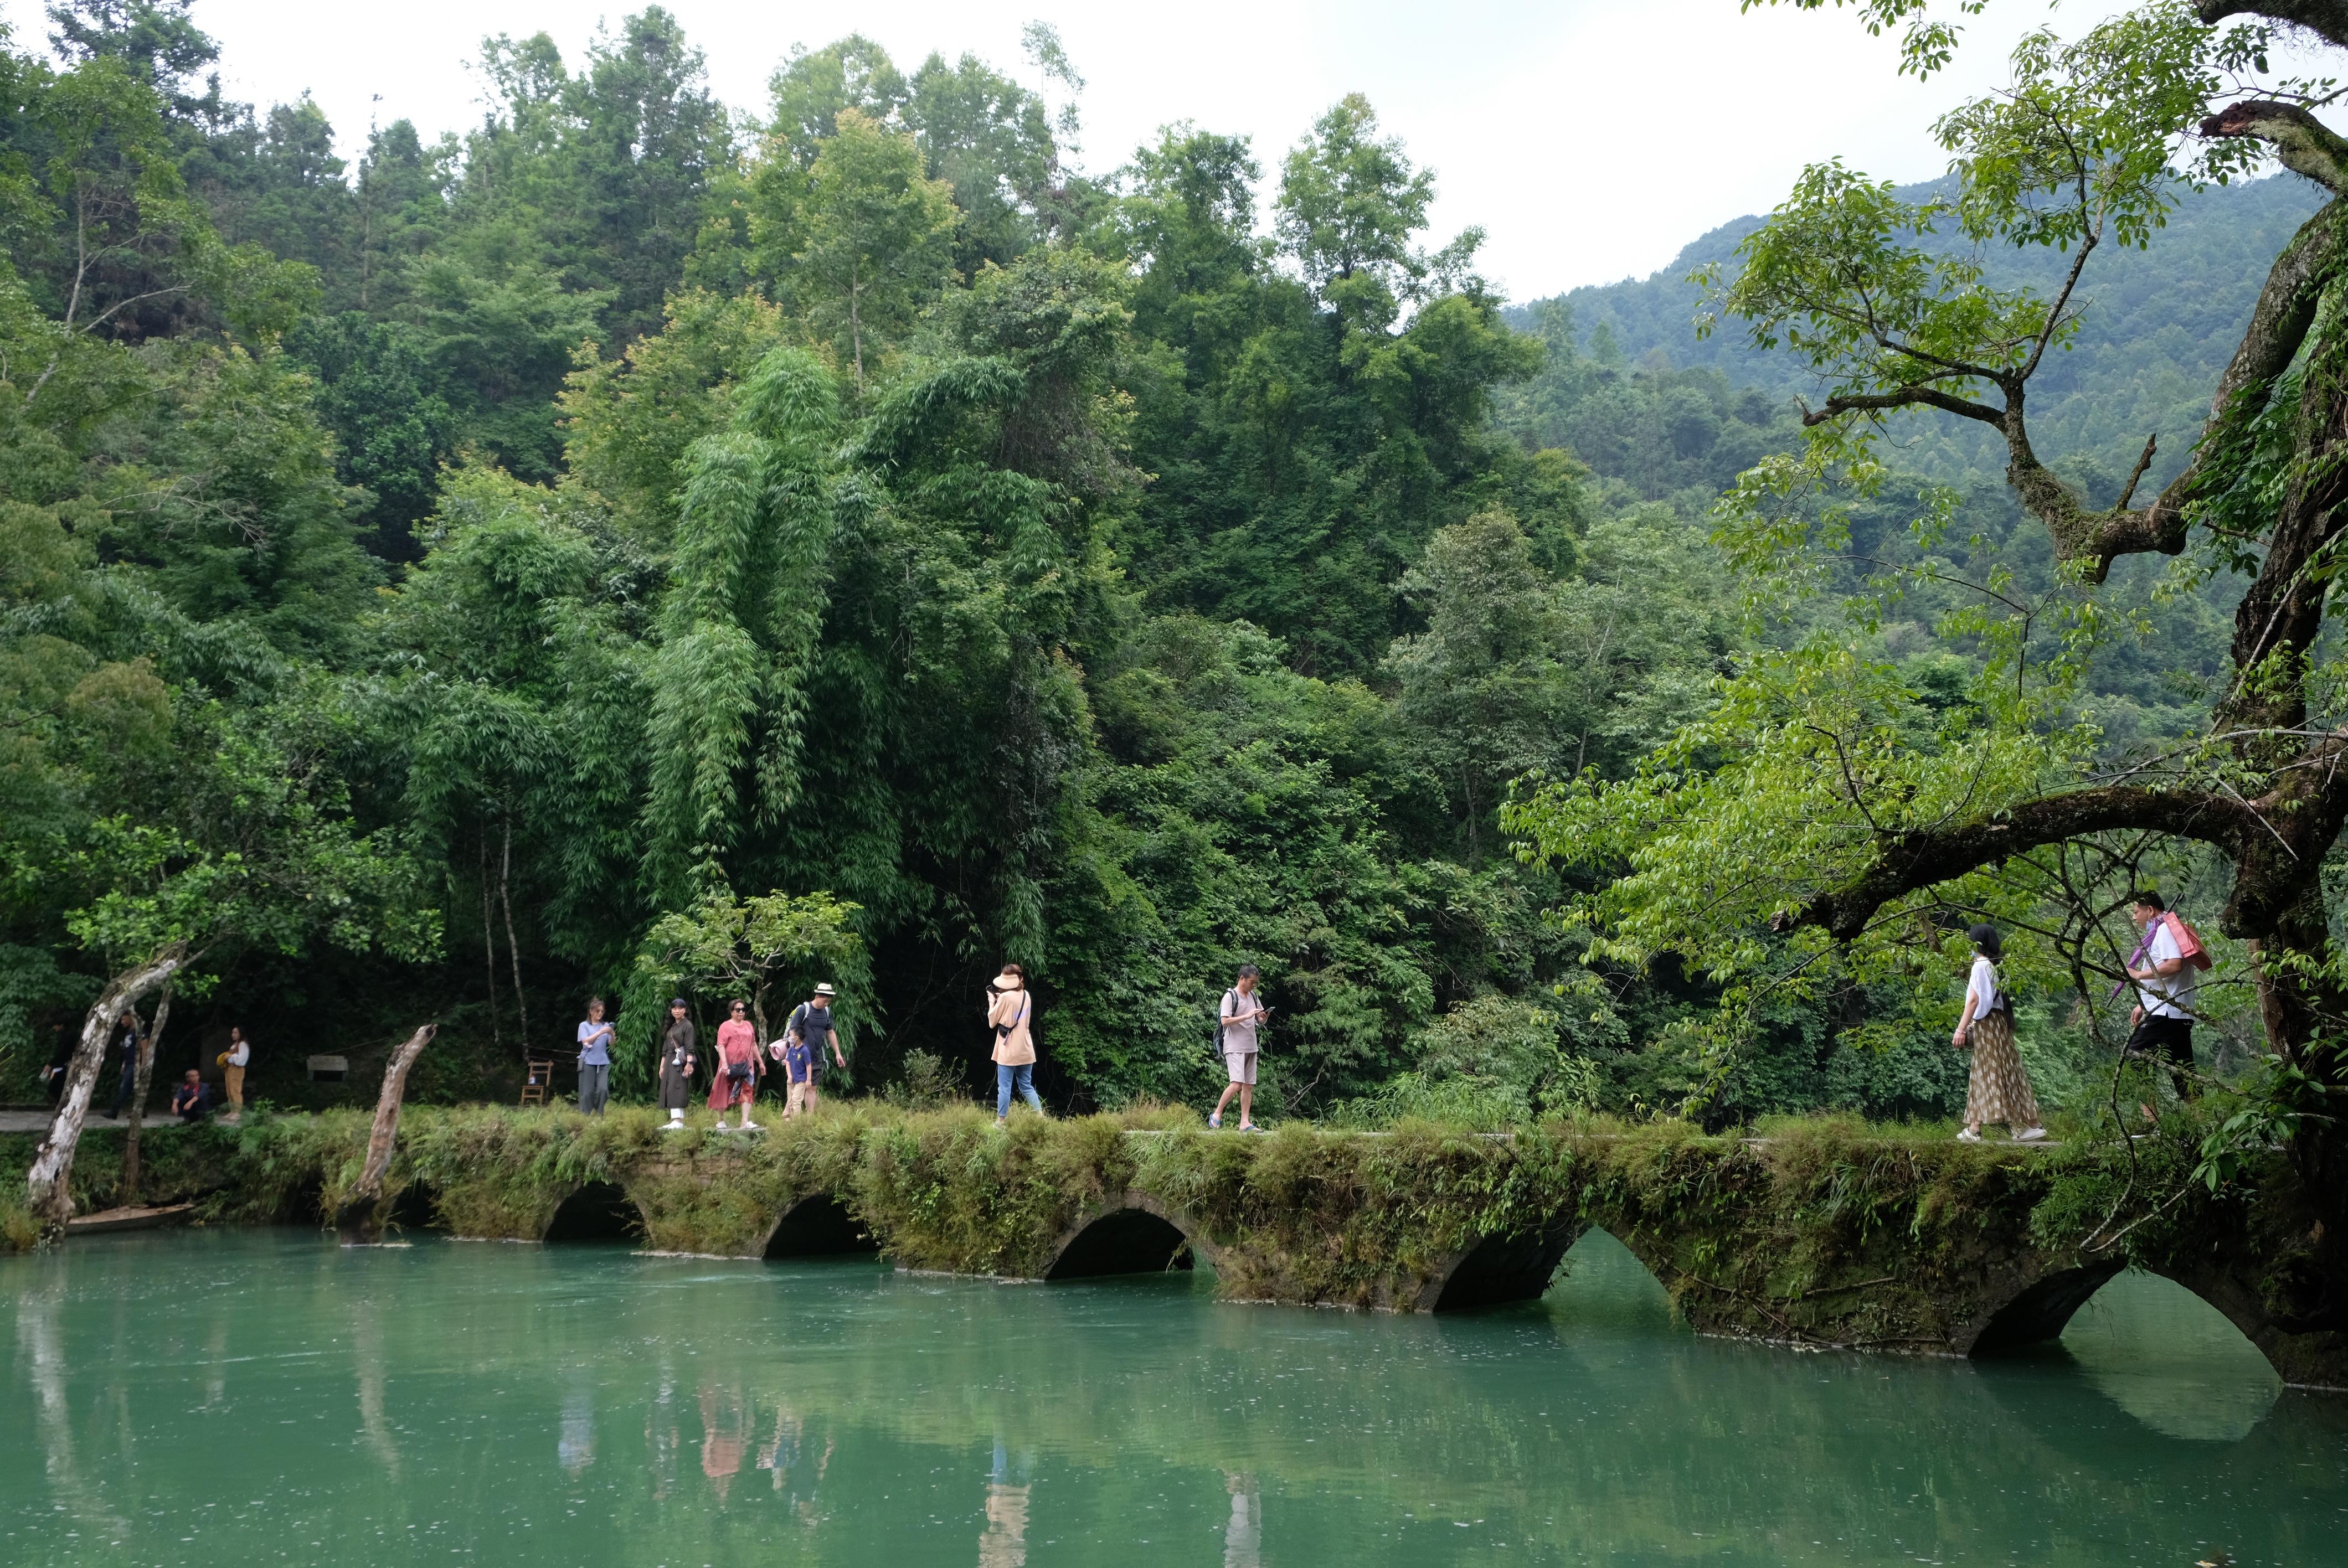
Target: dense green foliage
(533, 552)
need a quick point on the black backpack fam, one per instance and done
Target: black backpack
(1219, 1024)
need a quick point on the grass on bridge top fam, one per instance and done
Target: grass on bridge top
(976, 1192)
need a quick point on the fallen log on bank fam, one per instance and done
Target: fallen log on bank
(360, 1219)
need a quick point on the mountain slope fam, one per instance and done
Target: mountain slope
(2160, 326)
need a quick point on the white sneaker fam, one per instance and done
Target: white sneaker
(2030, 1135)
(675, 1124)
(750, 1126)
(1968, 1136)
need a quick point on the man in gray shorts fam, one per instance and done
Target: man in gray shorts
(1242, 1011)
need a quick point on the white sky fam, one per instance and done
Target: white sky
(1592, 138)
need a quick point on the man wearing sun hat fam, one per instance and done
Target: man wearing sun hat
(801, 1048)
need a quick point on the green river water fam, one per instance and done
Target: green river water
(264, 1398)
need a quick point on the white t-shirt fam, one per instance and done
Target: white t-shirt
(2169, 996)
(1239, 1038)
(240, 1053)
(1984, 986)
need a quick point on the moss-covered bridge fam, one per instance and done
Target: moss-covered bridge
(1828, 1235)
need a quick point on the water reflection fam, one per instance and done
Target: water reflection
(724, 1434)
(1004, 1543)
(2171, 1361)
(41, 1357)
(575, 1450)
(367, 1350)
(1243, 1533)
(786, 1456)
(1105, 1421)
(661, 1436)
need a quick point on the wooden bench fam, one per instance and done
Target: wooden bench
(329, 1068)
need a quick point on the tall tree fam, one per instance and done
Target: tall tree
(877, 236)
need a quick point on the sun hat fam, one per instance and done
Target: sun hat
(825, 990)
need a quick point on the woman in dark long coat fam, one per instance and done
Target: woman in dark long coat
(677, 1063)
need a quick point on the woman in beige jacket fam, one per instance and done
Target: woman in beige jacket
(1011, 1013)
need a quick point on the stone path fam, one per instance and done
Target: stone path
(20, 1121)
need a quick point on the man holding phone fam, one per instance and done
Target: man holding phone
(1242, 1012)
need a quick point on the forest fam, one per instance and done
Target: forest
(639, 545)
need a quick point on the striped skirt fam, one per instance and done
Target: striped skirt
(2000, 1088)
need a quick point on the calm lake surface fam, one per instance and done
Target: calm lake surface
(263, 1398)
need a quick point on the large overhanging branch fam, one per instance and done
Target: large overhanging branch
(1910, 397)
(2304, 144)
(1910, 862)
(2327, 19)
(2277, 327)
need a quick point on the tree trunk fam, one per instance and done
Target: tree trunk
(47, 1191)
(489, 944)
(141, 1081)
(514, 950)
(855, 324)
(360, 1219)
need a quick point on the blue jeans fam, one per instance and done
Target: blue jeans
(1008, 1078)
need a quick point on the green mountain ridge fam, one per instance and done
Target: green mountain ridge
(2158, 327)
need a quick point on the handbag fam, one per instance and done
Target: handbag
(1002, 1030)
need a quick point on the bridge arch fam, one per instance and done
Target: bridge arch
(1133, 1233)
(2040, 1310)
(599, 1211)
(2038, 1313)
(1502, 1267)
(817, 1225)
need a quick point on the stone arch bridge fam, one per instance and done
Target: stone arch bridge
(1831, 1241)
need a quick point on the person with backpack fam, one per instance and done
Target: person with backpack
(2163, 967)
(1011, 1014)
(733, 1080)
(1999, 1087)
(801, 1049)
(1235, 1036)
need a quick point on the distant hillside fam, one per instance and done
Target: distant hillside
(2161, 325)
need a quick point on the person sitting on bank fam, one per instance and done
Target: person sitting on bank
(678, 1059)
(2161, 1026)
(1242, 1010)
(801, 1049)
(1999, 1087)
(193, 1100)
(1011, 1014)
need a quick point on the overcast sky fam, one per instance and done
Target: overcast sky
(1592, 138)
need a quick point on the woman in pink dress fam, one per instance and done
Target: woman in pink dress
(736, 1082)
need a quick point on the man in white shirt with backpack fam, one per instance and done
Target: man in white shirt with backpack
(1235, 1036)
(2161, 1026)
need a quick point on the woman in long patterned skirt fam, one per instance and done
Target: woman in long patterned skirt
(1999, 1089)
